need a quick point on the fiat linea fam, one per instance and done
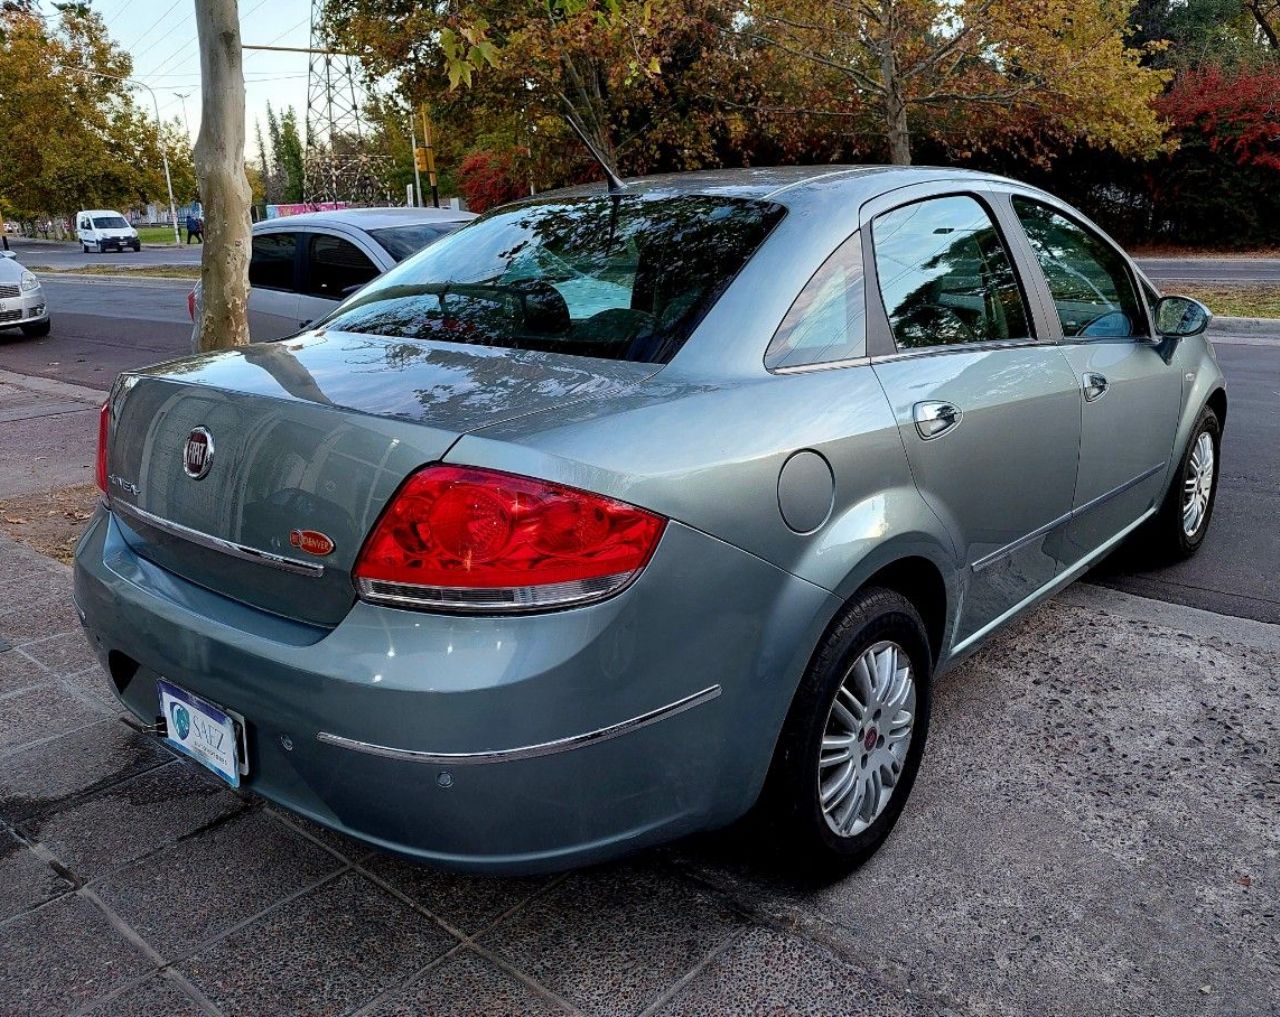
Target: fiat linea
(616, 515)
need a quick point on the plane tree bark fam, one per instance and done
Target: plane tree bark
(224, 187)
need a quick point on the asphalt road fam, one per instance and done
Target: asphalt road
(102, 327)
(47, 254)
(1237, 271)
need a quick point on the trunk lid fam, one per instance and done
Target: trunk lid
(311, 435)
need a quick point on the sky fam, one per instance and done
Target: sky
(161, 37)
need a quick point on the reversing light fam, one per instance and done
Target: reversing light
(460, 538)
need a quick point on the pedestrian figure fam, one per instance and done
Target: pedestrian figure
(195, 228)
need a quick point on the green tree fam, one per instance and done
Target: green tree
(71, 139)
(981, 69)
(291, 157)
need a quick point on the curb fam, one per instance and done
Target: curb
(52, 387)
(159, 281)
(1246, 326)
(1194, 621)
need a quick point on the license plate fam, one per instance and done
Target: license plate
(207, 733)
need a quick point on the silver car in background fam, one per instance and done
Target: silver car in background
(304, 265)
(614, 516)
(22, 302)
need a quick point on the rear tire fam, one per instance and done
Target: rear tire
(40, 328)
(1178, 529)
(834, 811)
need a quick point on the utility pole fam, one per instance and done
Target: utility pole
(430, 156)
(224, 188)
(417, 169)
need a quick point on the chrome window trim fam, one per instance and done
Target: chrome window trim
(911, 352)
(227, 547)
(525, 751)
(986, 561)
(829, 365)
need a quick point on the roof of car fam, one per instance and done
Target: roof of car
(98, 211)
(371, 218)
(775, 182)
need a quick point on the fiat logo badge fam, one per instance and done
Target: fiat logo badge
(312, 542)
(197, 454)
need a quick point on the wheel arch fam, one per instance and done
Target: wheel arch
(1217, 402)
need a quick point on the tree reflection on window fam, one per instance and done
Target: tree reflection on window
(945, 275)
(623, 277)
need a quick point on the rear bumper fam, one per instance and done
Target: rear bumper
(516, 744)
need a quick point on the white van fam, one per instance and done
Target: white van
(100, 229)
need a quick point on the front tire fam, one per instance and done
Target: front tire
(1179, 528)
(40, 328)
(854, 736)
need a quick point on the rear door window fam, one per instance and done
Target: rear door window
(827, 322)
(1092, 288)
(945, 275)
(271, 266)
(335, 266)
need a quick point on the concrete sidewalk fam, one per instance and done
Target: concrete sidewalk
(48, 434)
(1096, 830)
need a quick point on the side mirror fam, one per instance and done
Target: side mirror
(8, 254)
(1181, 317)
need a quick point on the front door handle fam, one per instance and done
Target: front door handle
(933, 419)
(1095, 386)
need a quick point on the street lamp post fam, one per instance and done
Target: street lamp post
(164, 156)
(185, 123)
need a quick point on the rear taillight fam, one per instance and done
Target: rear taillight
(104, 435)
(464, 539)
(191, 304)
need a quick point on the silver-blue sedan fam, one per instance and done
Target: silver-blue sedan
(613, 516)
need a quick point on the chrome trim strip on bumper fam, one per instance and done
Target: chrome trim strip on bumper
(525, 751)
(486, 600)
(990, 559)
(227, 547)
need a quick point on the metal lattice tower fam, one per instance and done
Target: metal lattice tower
(338, 165)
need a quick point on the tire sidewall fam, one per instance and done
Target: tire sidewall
(1207, 421)
(880, 615)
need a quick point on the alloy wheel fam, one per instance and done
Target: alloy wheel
(1197, 485)
(866, 738)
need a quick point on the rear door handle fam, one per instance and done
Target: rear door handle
(1095, 386)
(934, 419)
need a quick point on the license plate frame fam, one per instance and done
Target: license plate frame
(212, 735)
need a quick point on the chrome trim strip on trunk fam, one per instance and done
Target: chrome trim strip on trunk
(227, 547)
(990, 559)
(525, 751)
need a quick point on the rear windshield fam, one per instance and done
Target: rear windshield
(626, 277)
(402, 241)
(109, 222)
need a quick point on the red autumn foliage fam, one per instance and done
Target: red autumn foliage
(488, 178)
(1236, 112)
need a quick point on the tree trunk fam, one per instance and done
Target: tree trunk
(895, 109)
(224, 188)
